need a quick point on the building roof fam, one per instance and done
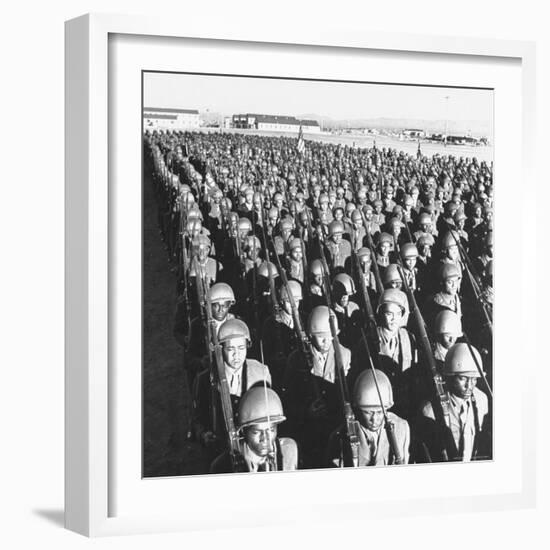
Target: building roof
(166, 110)
(163, 117)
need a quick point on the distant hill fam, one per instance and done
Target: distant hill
(477, 128)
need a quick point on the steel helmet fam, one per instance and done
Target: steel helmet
(201, 240)
(350, 208)
(449, 239)
(425, 239)
(233, 217)
(460, 360)
(221, 292)
(316, 267)
(367, 208)
(245, 224)
(194, 212)
(394, 296)
(356, 216)
(294, 243)
(335, 227)
(448, 322)
(343, 284)
(409, 250)
(266, 268)
(459, 215)
(194, 225)
(385, 238)
(323, 198)
(252, 240)
(286, 223)
(273, 212)
(233, 328)
(425, 219)
(365, 393)
(391, 274)
(318, 321)
(258, 406)
(448, 270)
(363, 253)
(295, 289)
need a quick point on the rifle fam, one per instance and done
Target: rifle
(371, 324)
(388, 424)
(234, 449)
(352, 426)
(441, 404)
(474, 279)
(205, 308)
(377, 277)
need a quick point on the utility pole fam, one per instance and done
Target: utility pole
(446, 118)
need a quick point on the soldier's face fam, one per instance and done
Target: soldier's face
(384, 248)
(234, 352)
(260, 438)
(296, 254)
(285, 233)
(372, 418)
(451, 285)
(446, 339)
(462, 386)
(391, 316)
(452, 252)
(396, 283)
(368, 215)
(410, 263)
(317, 279)
(220, 309)
(425, 251)
(322, 341)
(203, 253)
(343, 300)
(337, 238)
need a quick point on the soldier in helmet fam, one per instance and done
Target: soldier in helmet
(365, 263)
(424, 245)
(221, 298)
(413, 271)
(310, 391)
(448, 296)
(260, 413)
(252, 253)
(358, 231)
(383, 249)
(396, 345)
(316, 293)
(378, 217)
(294, 261)
(468, 409)
(279, 331)
(205, 266)
(347, 311)
(391, 277)
(372, 411)
(282, 240)
(337, 250)
(425, 226)
(241, 373)
(371, 226)
(447, 328)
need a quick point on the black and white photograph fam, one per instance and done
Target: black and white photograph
(317, 274)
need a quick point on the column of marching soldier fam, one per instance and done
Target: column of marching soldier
(334, 304)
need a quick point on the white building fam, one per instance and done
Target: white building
(162, 118)
(275, 123)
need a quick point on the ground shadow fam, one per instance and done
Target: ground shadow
(57, 517)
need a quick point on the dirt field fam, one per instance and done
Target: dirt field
(166, 400)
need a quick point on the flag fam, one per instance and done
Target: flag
(301, 143)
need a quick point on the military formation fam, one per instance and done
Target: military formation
(334, 304)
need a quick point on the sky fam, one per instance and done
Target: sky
(336, 100)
